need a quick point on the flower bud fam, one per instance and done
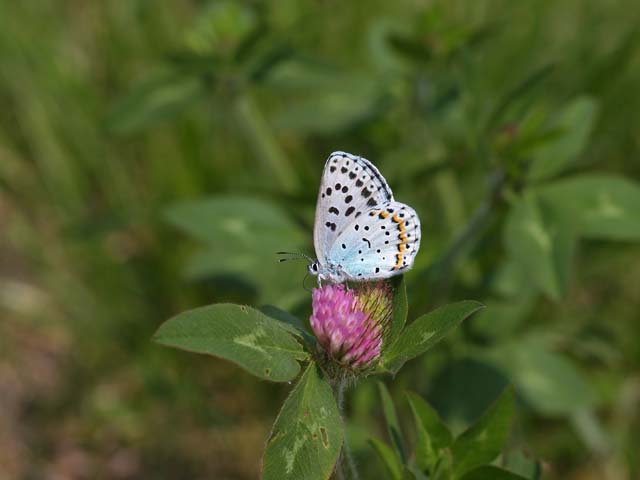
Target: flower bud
(350, 324)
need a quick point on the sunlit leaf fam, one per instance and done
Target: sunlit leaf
(307, 435)
(237, 333)
(574, 125)
(240, 236)
(425, 332)
(542, 241)
(432, 433)
(545, 379)
(388, 457)
(483, 441)
(605, 206)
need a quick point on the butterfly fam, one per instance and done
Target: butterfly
(360, 232)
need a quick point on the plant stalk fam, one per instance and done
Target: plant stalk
(346, 466)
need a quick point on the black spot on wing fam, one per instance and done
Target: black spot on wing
(348, 199)
(372, 202)
(349, 211)
(375, 174)
(334, 210)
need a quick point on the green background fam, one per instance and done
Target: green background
(155, 155)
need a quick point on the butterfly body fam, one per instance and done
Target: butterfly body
(361, 233)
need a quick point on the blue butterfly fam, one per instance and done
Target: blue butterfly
(360, 232)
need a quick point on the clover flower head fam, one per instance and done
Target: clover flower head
(350, 324)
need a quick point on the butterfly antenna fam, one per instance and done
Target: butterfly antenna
(294, 256)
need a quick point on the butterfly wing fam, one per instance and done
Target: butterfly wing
(381, 243)
(350, 186)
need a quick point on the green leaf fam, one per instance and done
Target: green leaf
(219, 28)
(388, 457)
(411, 472)
(432, 433)
(393, 426)
(444, 468)
(541, 240)
(574, 124)
(307, 435)
(605, 206)
(489, 472)
(483, 441)
(502, 318)
(161, 97)
(546, 380)
(289, 322)
(340, 100)
(517, 462)
(425, 332)
(237, 333)
(244, 243)
(254, 220)
(400, 307)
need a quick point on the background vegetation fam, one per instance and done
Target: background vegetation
(154, 155)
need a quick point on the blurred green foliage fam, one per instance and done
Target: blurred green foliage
(153, 156)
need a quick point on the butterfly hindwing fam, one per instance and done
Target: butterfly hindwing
(382, 242)
(350, 187)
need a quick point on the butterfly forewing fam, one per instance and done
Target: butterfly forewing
(350, 187)
(380, 243)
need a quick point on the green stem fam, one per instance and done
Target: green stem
(345, 462)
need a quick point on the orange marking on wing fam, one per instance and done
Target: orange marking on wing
(398, 261)
(403, 241)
